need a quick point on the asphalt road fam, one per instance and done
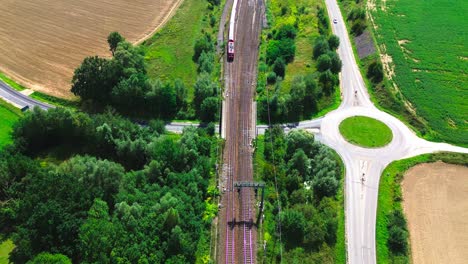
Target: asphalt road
(18, 99)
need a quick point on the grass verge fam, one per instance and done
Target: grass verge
(10, 82)
(390, 198)
(55, 100)
(365, 132)
(8, 115)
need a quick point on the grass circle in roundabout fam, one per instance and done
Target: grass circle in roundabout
(365, 132)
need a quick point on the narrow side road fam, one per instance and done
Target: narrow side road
(18, 99)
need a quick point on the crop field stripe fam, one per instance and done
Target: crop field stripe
(426, 41)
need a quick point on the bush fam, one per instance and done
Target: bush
(358, 27)
(209, 109)
(206, 62)
(324, 62)
(214, 2)
(397, 241)
(271, 77)
(286, 31)
(333, 42)
(336, 63)
(321, 47)
(203, 44)
(285, 48)
(357, 13)
(279, 67)
(375, 72)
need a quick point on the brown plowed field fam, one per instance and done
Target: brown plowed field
(42, 42)
(436, 206)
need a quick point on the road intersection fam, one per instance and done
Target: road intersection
(361, 197)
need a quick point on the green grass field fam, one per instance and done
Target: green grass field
(5, 248)
(169, 52)
(8, 116)
(365, 132)
(390, 198)
(426, 40)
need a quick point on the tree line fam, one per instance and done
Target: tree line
(123, 194)
(121, 82)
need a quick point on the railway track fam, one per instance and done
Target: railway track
(238, 238)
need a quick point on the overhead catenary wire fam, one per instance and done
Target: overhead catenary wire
(275, 175)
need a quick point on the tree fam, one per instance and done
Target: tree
(284, 48)
(114, 39)
(101, 178)
(271, 77)
(97, 234)
(293, 226)
(209, 109)
(273, 51)
(300, 139)
(206, 62)
(95, 78)
(336, 63)
(333, 42)
(310, 98)
(279, 67)
(328, 81)
(321, 47)
(204, 88)
(324, 62)
(129, 94)
(286, 31)
(301, 163)
(287, 49)
(325, 185)
(202, 44)
(298, 91)
(130, 59)
(181, 94)
(323, 25)
(162, 99)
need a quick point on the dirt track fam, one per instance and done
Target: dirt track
(42, 42)
(436, 206)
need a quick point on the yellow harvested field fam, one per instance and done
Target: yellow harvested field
(436, 206)
(42, 42)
